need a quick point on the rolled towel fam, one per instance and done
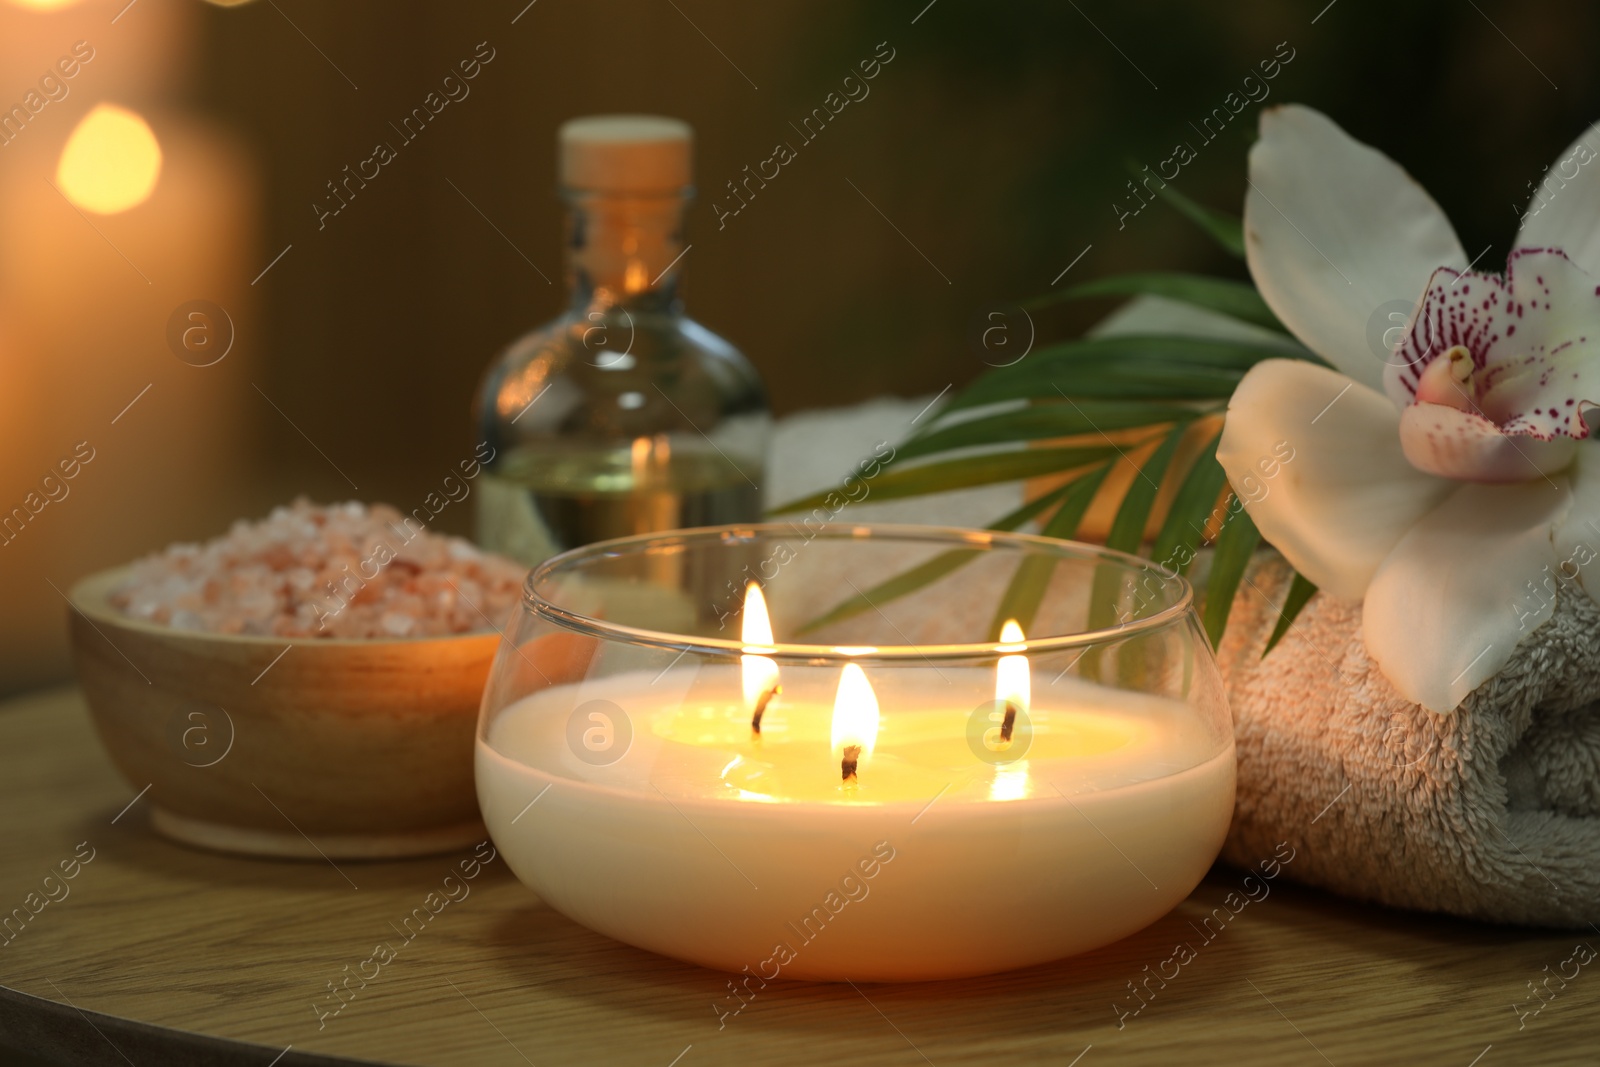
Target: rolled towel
(1490, 812)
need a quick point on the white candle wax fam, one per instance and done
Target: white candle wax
(706, 843)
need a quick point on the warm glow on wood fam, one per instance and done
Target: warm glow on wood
(111, 161)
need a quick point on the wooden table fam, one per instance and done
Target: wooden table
(161, 954)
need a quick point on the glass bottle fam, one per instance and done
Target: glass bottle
(623, 416)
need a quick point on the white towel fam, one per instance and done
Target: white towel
(1491, 812)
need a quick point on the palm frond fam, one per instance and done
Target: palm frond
(1075, 409)
(1237, 300)
(1227, 230)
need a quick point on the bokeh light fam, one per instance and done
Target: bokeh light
(111, 162)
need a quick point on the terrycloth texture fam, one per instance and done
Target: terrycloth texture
(1492, 812)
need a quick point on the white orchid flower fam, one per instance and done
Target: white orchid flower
(1450, 482)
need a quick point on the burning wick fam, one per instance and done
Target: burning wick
(771, 691)
(758, 675)
(855, 722)
(1011, 682)
(1010, 721)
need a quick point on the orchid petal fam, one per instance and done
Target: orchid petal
(1577, 536)
(1335, 232)
(1341, 494)
(1446, 610)
(1564, 211)
(1534, 339)
(1466, 446)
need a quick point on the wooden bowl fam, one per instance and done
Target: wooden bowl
(297, 747)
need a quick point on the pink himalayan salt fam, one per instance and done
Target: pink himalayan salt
(344, 570)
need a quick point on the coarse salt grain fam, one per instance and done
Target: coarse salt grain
(343, 570)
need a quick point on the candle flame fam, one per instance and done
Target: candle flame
(635, 278)
(639, 454)
(110, 162)
(1013, 686)
(648, 456)
(758, 673)
(855, 713)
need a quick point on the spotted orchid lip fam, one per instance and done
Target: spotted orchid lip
(1533, 337)
(1466, 447)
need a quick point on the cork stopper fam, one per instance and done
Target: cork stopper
(625, 153)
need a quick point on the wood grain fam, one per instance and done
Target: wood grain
(240, 950)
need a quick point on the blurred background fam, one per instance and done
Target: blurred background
(344, 334)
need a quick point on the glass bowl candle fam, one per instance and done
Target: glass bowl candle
(869, 753)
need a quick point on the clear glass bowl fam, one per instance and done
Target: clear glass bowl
(1013, 801)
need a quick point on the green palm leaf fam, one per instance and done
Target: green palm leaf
(1025, 593)
(933, 569)
(1238, 300)
(1160, 383)
(1190, 512)
(1300, 591)
(1235, 545)
(1227, 230)
(966, 472)
(1127, 529)
(1126, 368)
(1045, 420)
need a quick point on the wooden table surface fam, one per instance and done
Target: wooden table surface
(162, 954)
